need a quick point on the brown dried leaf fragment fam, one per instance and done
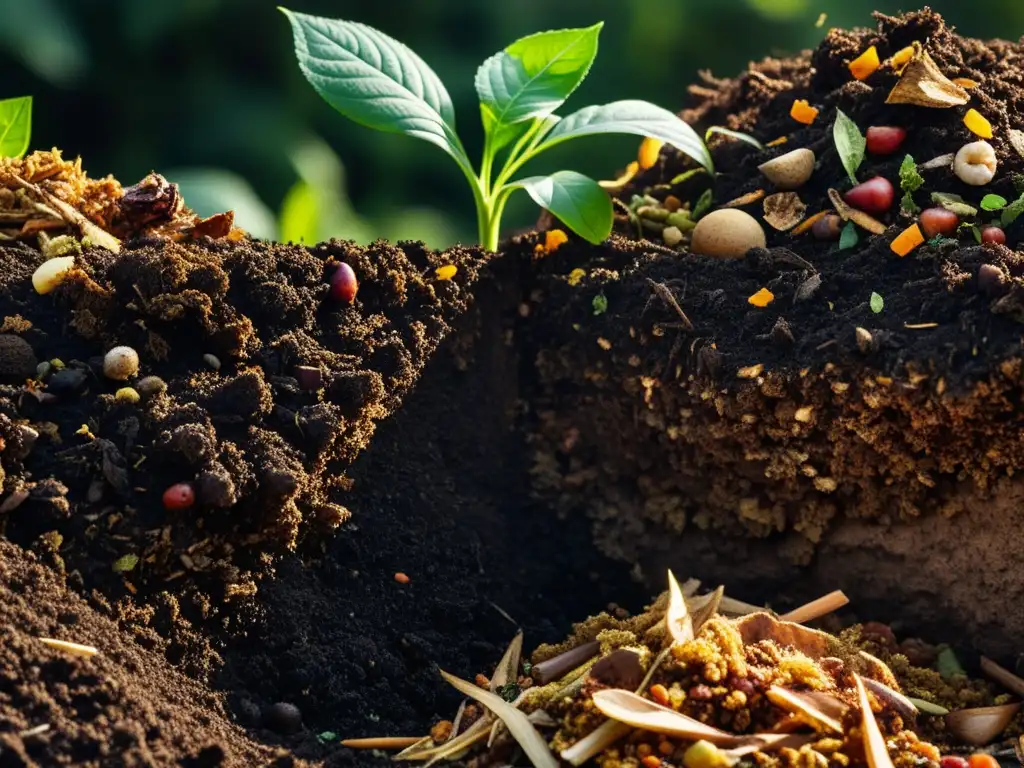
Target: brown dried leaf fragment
(874, 743)
(861, 219)
(214, 227)
(922, 84)
(784, 210)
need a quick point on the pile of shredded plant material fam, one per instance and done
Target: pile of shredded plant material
(705, 681)
(810, 362)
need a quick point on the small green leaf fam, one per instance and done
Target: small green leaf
(374, 80)
(15, 126)
(326, 736)
(848, 237)
(686, 175)
(993, 203)
(702, 206)
(534, 75)
(640, 118)
(577, 200)
(850, 144)
(876, 303)
(977, 234)
(1012, 211)
(907, 203)
(948, 664)
(600, 304)
(738, 135)
(125, 564)
(910, 179)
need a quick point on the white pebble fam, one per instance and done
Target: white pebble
(51, 273)
(212, 360)
(975, 163)
(121, 363)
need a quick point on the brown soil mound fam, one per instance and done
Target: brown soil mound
(783, 437)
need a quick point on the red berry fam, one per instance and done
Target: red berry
(179, 496)
(344, 284)
(952, 761)
(993, 234)
(872, 196)
(938, 221)
(884, 139)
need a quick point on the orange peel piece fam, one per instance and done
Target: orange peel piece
(907, 240)
(866, 64)
(447, 272)
(978, 124)
(803, 112)
(901, 58)
(762, 298)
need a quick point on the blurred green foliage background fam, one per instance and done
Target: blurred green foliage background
(208, 93)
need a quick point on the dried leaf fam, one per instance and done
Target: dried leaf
(784, 210)
(891, 697)
(507, 670)
(922, 84)
(595, 742)
(704, 607)
(810, 708)
(71, 215)
(522, 730)
(979, 726)
(874, 743)
(214, 227)
(635, 710)
(861, 219)
(677, 617)
(427, 750)
(927, 707)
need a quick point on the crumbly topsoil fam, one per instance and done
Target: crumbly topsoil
(748, 443)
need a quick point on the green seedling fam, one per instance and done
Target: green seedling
(15, 126)
(379, 83)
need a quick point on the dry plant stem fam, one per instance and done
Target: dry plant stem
(381, 742)
(874, 743)
(737, 607)
(666, 296)
(815, 609)
(75, 649)
(557, 666)
(1003, 676)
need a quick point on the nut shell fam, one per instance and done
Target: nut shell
(791, 170)
(727, 233)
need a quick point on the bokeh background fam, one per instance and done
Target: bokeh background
(208, 93)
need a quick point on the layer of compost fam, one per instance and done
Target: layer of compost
(810, 441)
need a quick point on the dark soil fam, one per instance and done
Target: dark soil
(770, 436)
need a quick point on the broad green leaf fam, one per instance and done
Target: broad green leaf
(850, 144)
(374, 80)
(15, 126)
(630, 116)
(534, 75)
(577, 200)
(877, 303)
(993, 203)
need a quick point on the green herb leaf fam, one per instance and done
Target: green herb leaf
(534, 75)
(15, 126)
(876, 303)
(1012, 211)
(993, 203)
(910, 179)
(954, 203)
(577, 200)
(977, 234)
(738, 135)
(631, 116)
(600, 304)
(907, 203)
(850, 144)
(685, 175)
(326, 736)
(848, 237)
(374, 80)
(948, 664)
(702, 206)
(125, 563)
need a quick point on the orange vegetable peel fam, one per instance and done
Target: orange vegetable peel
(865, 65)
(803, 112)
(907, 240)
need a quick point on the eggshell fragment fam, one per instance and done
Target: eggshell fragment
(51, 273)
(727, 233)
(791, 170)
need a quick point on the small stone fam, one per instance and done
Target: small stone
(781, 333)
(68, 382)
(865, 342)
(151, 385)
(309, 377)
(672, 236)
(24, 443)
(212, 360)
(808, 288)
(991, 280)
(17, 360)
(283, 717)
(43, 370)
(121, 363)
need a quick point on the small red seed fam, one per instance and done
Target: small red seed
(938, 221)
(402, 578)
(952, 761)
(179, 496)
(872, 196)
(827, 227)
(344, 284)
(884, 139)
(993, 234)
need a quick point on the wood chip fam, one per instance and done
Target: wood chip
(75, 649)
(381, 742)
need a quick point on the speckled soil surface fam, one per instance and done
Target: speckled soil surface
(772, 436)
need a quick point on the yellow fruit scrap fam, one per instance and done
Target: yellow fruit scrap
(977, 124)
(649, 150)
(762, 298)
(777, 142)
(447, 272)
(966, 82)
(865, 65)
(553, 238)
(576, 275)
(907, 240)
(803, 112)
(901, 58)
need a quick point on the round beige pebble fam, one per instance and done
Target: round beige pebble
(727, 233)
(121, 363)
(791, 170)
